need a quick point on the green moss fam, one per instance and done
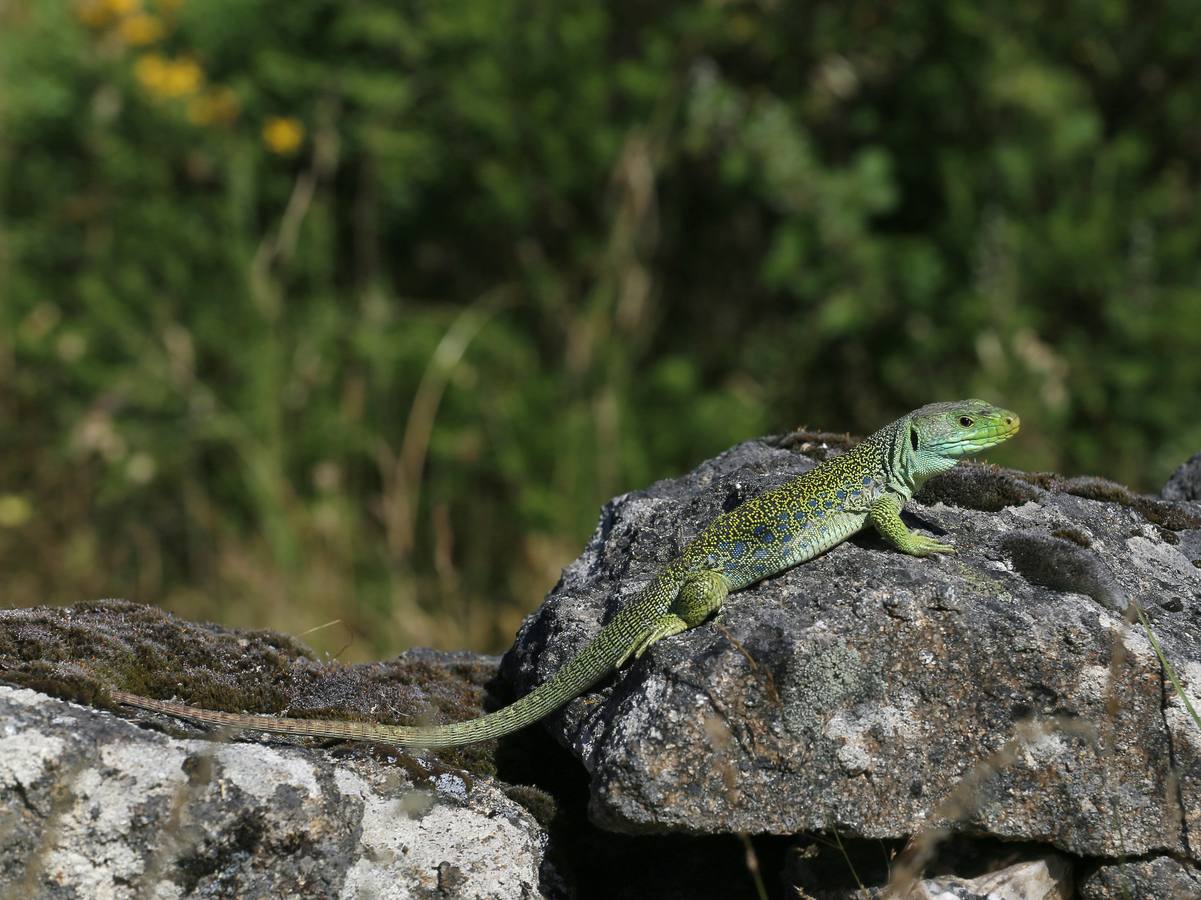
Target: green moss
(1045, 480)
(540, 804)
(1167, 535)
(425, 768)
(74, 688)
(814, 444)
(479, 759)
(980, 486)
(1094, 488)
(1073, 534)
(1164, 513)
(82, 652)
(990, 488)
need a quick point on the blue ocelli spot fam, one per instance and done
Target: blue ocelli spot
(785, 536)
(813, 503)
(738, 549)
(760, 553)
(819, 512)
(829, 504)
(802, 519)
(867, 479)
(856, 492)
(764, 534)
(840, 494)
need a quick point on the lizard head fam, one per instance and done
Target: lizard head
(941, 433)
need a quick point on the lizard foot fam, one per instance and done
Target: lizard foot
(925, 546)
(664, 626)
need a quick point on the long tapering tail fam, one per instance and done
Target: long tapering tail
(587, 667)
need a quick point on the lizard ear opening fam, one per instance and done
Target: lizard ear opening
(913, 436)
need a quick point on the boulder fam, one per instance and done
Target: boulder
(1000, 692)
(92, 805)
(1185, 483)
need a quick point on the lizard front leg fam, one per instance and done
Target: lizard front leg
(701, 595)
(885, 514)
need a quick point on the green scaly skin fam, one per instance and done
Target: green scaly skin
(764, 536)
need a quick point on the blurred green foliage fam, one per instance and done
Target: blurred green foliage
(358, 310)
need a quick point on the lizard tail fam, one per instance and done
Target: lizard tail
(597, 657)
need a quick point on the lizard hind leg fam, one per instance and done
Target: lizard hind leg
(699, 597)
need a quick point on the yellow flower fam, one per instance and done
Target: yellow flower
(282, 134)
(218, 106)
(183, 78)
(168, 78)
(141, 29)
(92, 13)
(15, 510)
(101, 13)
(150, 70)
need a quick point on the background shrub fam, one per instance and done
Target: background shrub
(358, 311)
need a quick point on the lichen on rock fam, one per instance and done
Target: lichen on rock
(95, 806)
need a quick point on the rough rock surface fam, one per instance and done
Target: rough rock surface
(94, 806)
(997, 692)
(1162, 878)
(862, 716)
(78, 652)
(1185, 483)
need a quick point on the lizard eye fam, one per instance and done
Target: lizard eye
(965, 421)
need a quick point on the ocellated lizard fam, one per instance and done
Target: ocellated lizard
(767, 534)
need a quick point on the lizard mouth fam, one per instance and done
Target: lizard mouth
(995, 434)
(985, 436)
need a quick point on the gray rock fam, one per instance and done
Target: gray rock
(92, 805)
(997, 692)
(925, 713)
(1185, 483)
(1163, 878)
(1048, 878)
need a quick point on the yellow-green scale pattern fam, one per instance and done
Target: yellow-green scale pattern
(796, 521)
